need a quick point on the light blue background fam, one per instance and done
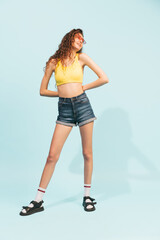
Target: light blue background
(123, 39)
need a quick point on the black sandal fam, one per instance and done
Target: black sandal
(85, 204)
(30, 210)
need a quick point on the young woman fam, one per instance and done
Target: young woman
(74, 109)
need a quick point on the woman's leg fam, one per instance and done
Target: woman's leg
(86, 137)
(60, 135)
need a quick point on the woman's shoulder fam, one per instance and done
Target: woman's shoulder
(53, 63)
(83, 57)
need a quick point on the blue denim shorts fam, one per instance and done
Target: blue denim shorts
(75, 111)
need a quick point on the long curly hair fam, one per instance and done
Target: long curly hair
(64, 48)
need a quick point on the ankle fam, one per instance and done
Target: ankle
(87, 188)
(39, 196)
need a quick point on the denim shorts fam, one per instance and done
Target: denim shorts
(75, 111)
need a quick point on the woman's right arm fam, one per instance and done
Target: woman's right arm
(44, 84)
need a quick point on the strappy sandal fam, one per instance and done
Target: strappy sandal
(30, 210)
(85, 204)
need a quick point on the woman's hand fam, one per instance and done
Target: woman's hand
(83, 87)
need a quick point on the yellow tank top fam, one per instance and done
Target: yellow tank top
(71, 73)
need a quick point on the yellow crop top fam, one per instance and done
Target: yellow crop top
(71, 73)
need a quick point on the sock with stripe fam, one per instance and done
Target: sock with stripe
(87, 188)
(40, 193)
(38, 198)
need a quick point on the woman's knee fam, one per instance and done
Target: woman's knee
(52, 158)
(87, 155)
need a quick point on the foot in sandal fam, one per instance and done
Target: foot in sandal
(33, 207)
(88, 204)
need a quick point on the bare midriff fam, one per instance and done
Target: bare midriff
(69, 90)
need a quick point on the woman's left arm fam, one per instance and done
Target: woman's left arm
(103, 79)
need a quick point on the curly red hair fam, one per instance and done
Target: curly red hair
(64, 48)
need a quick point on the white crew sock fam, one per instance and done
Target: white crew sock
(38, 198)
(87, 188)
(40, 193)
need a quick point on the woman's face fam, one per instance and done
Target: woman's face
(78, 41)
